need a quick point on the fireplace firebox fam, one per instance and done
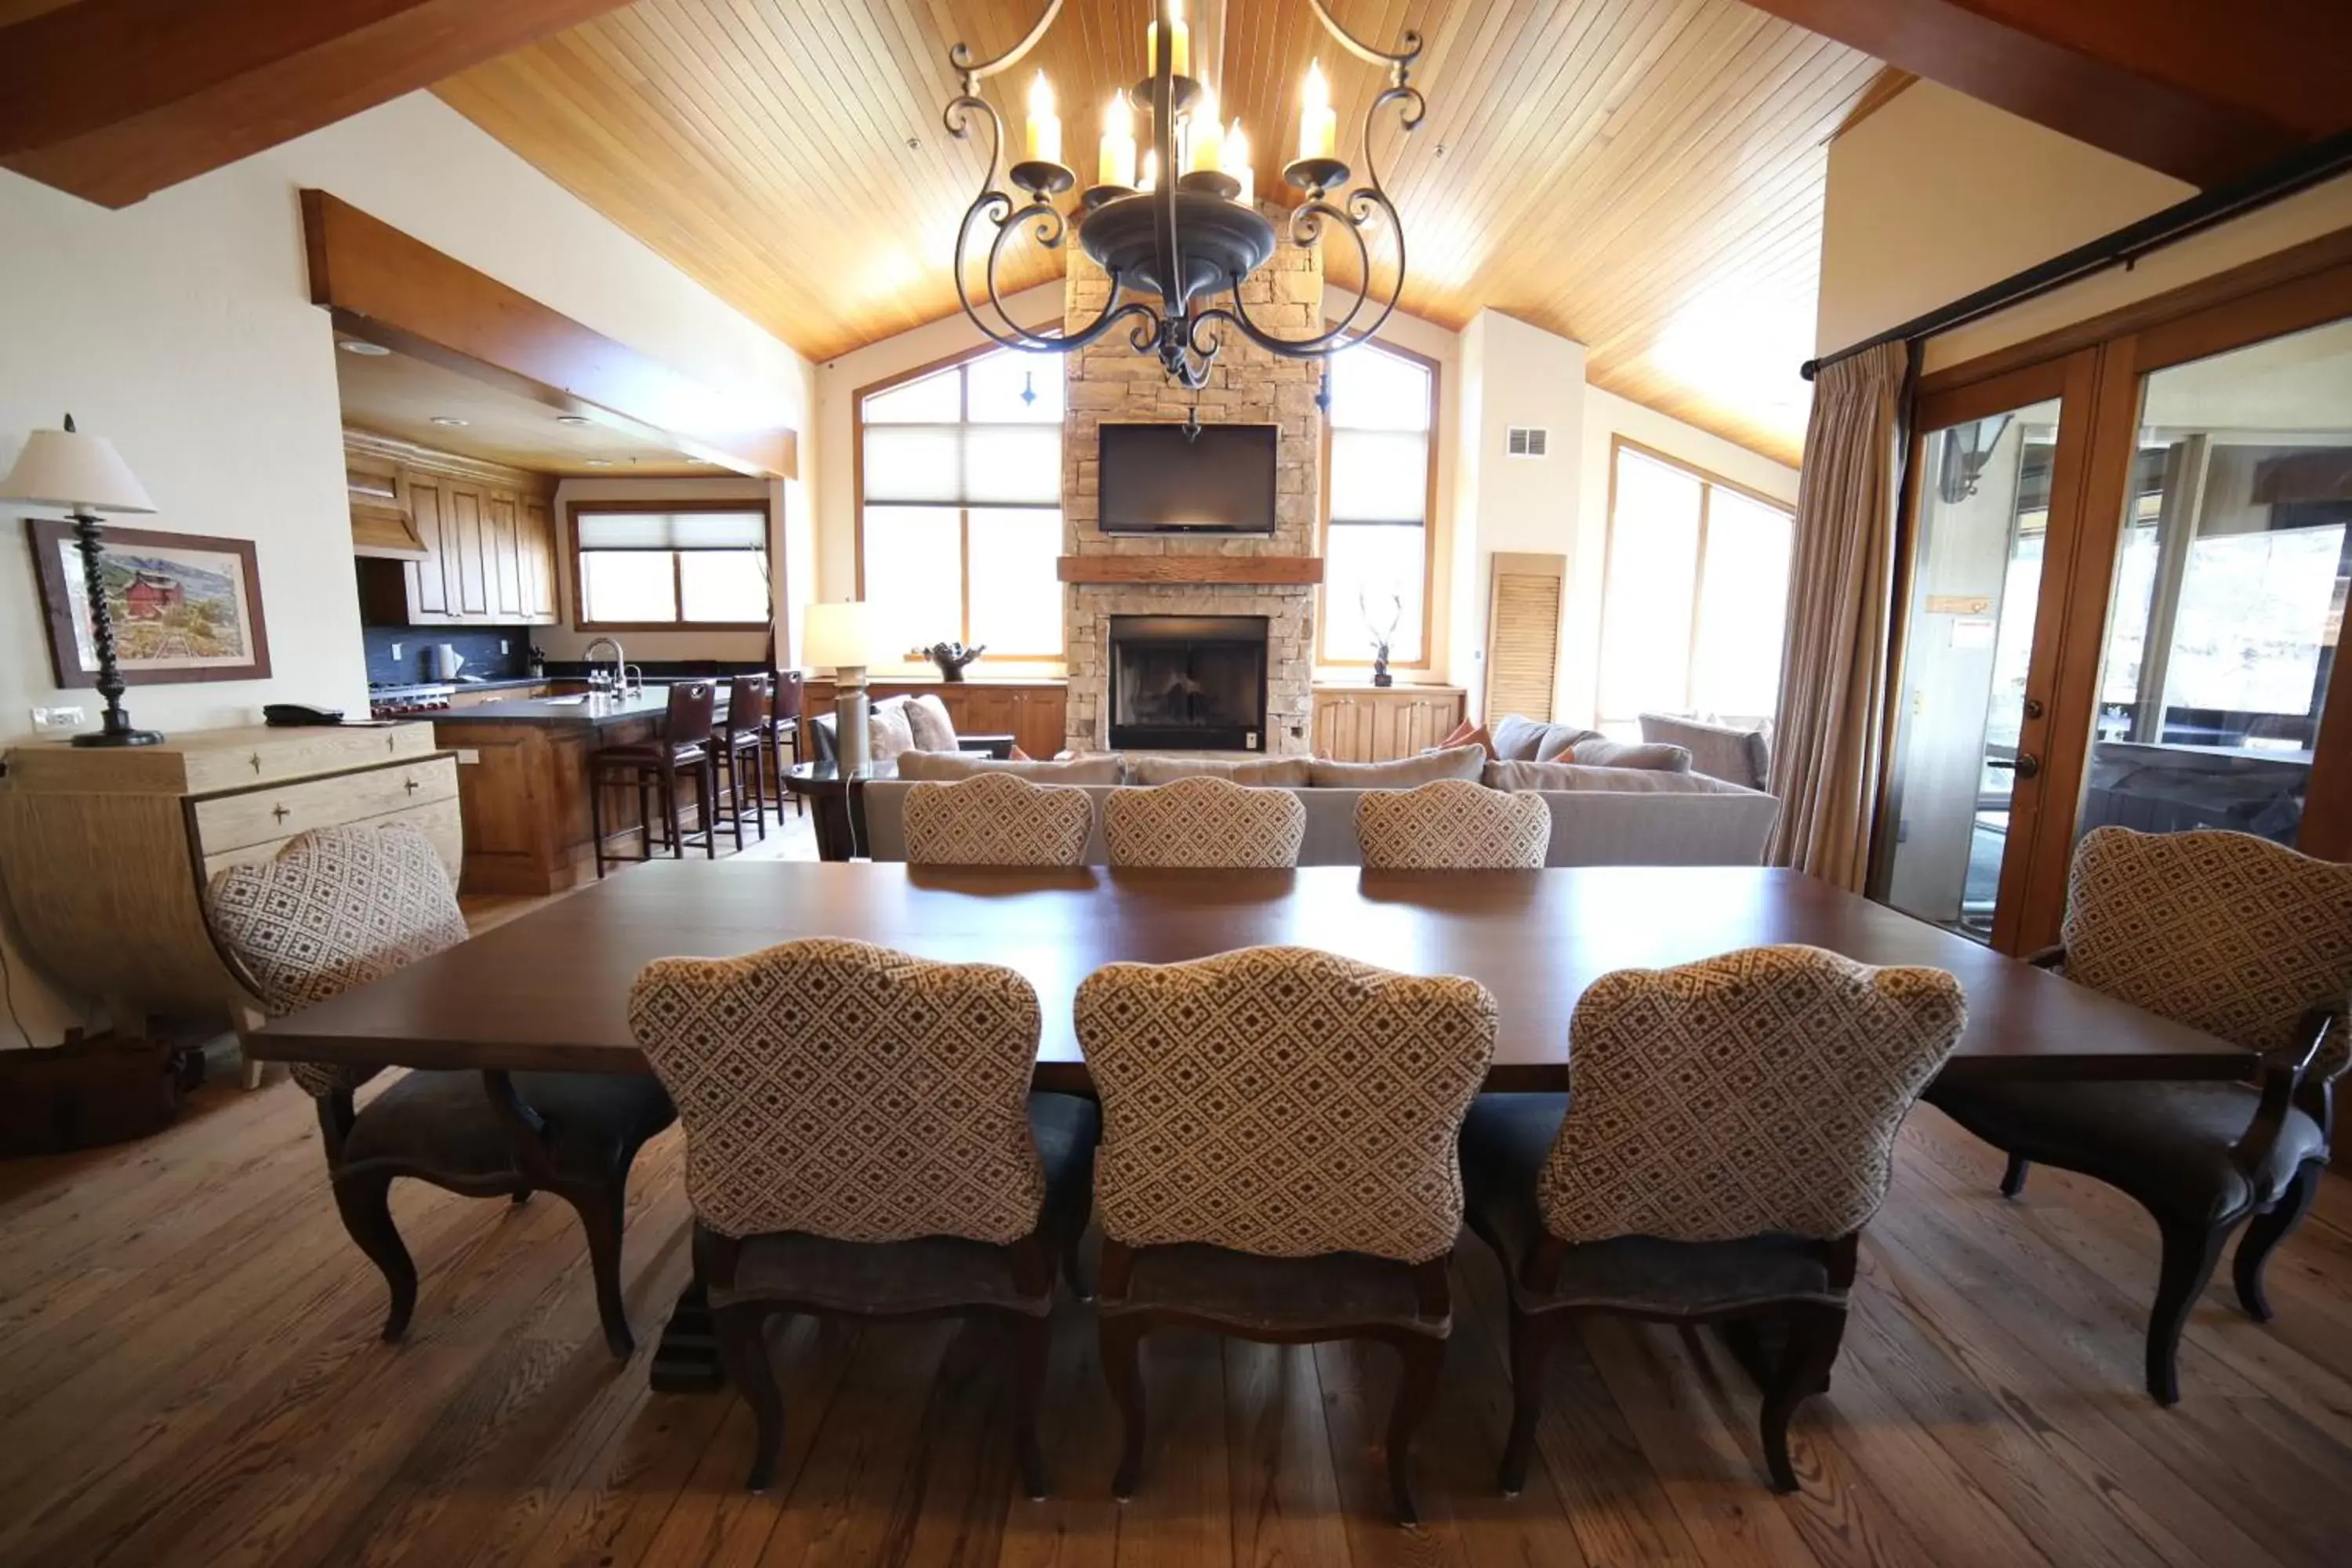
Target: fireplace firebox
(1188, 682)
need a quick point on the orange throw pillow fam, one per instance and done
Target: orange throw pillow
(1461, 733)
(1017, 755)
(1469, 736)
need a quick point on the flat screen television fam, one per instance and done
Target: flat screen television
(1157, 478)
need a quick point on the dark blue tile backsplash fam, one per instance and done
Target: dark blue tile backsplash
(478, 644)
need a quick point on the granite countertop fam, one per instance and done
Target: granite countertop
(590, 713)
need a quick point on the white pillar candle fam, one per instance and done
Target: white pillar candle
(1045, 125)
(1116, 165)
(1319, 124)
(1237, 161)
(1180, 42)
(1208, 138)
(1150, 181)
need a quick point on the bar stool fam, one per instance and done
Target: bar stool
(784, 730)
(654, 768)
(740, 738)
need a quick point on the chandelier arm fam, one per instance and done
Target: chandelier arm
(994, 206)
(973, 75)
(1398, 63)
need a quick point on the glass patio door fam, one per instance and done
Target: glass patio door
(1992, 468)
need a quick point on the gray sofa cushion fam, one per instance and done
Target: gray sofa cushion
(1573, 776)
(1405, 773)
(1743, 757)
(927, 716)
(1601, 751)
(1518, 740)
(946, 767)
(1293, 771)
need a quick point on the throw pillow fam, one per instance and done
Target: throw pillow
(1556, 776)
(1459, 735)
(1405, 773)
(1518, 740)
(1294, 772)
(1017, 755)
(1601, 751)
(946, 767)
(887, 732)
(927, 716)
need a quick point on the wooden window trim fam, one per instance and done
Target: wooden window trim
(857, 397)
(1708, 481)
(580, 621)
(1428, 528)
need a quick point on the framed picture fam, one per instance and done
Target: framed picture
(184, 606)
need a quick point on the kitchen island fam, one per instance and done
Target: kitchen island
(522, 784)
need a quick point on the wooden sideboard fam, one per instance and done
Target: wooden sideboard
(1034, 712)
(1371, 723)
(106, 852)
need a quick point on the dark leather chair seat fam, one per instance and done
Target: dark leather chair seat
(444, 1122)
(2167, 1144)
(934, 1273)
(1504, 1140)
(1274, 1295)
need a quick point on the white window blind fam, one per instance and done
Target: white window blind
(672, 530)
(1375, 548)
(963, 465)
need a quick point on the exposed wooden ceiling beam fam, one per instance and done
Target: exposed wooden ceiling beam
(2203, 91)
(392, 288)
(115, 100)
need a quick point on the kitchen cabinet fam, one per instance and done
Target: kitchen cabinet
(485, 548)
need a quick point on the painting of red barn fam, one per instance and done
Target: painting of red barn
(183, 606)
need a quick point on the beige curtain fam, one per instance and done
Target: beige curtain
(1828, 747)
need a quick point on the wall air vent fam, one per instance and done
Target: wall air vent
(1529, 441)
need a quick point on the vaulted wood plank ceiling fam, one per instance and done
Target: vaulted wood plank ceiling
(1642, 175)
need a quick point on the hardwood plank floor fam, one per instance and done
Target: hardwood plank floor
(190, 1374)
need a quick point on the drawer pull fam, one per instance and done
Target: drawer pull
(255, 761)
(278, 812)
(410, 785)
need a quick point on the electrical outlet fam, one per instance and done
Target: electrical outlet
(59, 720)
(395, 653)
(502, 647)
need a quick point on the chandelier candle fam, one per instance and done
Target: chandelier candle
(1045, 125)
(1115, 164)
(1319, 123)
(1180, 40)
(1208, 140)
(1237, 161)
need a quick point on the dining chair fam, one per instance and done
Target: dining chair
(1278, 1161)
(1452, 824)
(861, 1142)
(339, 907)
(1204, 821)
(2242, 938)
(1731, 1130)
(996, 820)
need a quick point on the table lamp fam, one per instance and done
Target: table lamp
(844, 635)
(85, 475)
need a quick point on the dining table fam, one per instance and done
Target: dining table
(548, 991)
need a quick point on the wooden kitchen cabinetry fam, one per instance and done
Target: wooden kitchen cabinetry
(485, 540)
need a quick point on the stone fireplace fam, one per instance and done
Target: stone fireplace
(1268, 580)
(1188, 682)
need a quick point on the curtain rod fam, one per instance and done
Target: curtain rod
(2299, 171)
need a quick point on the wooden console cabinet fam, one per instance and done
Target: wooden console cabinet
(1034, 712)
(106, 852)
(1371, 723)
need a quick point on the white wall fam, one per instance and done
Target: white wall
(182, 329)
(1937, 194)
(1512, 373)
(1607, 416)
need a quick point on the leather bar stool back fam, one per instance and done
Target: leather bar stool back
(738, 745)
(654, 768)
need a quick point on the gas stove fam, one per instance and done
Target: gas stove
(387, 701)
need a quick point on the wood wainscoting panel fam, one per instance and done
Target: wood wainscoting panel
(1379, 724)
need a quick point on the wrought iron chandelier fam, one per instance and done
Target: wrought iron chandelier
(1180, 231)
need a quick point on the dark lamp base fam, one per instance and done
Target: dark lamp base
(120, 738)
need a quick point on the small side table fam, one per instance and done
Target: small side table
(835, 803)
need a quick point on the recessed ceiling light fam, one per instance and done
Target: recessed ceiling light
(574, 419)
(451, 420)
(598, 462)
(360, 346)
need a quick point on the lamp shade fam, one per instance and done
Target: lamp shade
(841, 635)
(70, 468)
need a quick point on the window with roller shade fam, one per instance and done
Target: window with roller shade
(1693, 598)
(960, 506)
(1378, 468)
(681, 565)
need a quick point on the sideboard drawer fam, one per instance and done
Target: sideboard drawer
(438, 818)
(252, 817)
(268, 755)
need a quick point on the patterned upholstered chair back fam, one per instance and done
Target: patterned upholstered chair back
(996, 820)
(1203, 821)
(2223, 931)
(336, 908)
(1751, 1094)
(848, 1090)
(1283, 1102)
(1452, 824)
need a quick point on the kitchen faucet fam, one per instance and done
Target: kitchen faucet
(620, 667)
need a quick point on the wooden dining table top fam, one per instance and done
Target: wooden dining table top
(548, 991)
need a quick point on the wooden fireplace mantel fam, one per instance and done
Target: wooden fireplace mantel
(1285, 570)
